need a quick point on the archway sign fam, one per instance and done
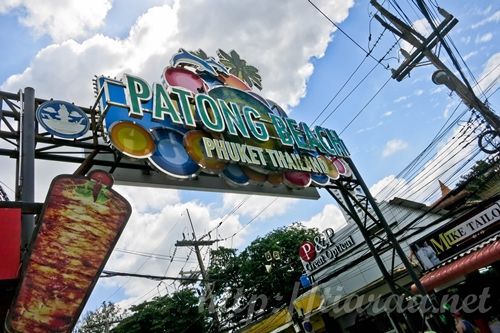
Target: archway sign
(202, 120)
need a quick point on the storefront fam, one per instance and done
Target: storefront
(357, 297)
(466, 270)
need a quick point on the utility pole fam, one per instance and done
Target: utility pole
(196, 244)
(424, 46)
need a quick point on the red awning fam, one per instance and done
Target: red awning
(480, 256)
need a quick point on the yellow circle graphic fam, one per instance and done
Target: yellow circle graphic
(131, 139)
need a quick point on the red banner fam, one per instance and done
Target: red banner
(80, 224)
(10, 242)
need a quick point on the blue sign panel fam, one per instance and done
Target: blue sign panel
(63, 119)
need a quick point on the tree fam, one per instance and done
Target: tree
(100, 320)
(483, 180)
(174, 313)
(200, 53)
(244, 282)
(240, 68)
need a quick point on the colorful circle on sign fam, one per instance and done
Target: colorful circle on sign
(342, 167)
(170, 156)
(62, 119)
(234, 81)
(319, 179)
(131, 139)
(254, 176)
(275, 178)
(333, 173)
(234, 176)
(307, 251)
(180, 77)
(297, 179)
(195, 149)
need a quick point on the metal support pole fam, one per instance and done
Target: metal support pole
(390, 235)
(394, 242)
(26, 182)
(387, 277)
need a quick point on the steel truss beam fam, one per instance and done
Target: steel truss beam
(354, 197)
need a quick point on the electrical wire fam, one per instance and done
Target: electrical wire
(365, 106)
(343, 31)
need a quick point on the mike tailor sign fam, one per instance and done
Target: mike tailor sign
(201, 118)
(457, 236)
(323, 250)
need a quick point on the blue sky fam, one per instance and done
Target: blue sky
(303, 61)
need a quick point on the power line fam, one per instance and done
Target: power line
(357, 86)
(106, 274)
(338, 92)
(364, 107)
(345, 33)
(251, 220)
(439, 136)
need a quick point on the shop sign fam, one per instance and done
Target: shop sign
(457, 236)
(62, 119)
(80, 224)
(200, 118)
(324, 250)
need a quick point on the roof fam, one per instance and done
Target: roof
(408, 203)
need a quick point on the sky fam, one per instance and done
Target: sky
(57, 48)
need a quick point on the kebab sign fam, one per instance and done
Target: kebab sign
(202, 118)
(78, 228)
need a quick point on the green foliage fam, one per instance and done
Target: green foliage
(240, 68)
(245, 275)
(483, 179)
(174, 313)
(200, 53)
(97, 321)
(171, 313)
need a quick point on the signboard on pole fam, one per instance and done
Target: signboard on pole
(80, 223)
(202, 120)
(323, 250)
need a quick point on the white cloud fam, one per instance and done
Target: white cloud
(442, 166)
(421, 26)
(369, 128)
(393, 146)
(495, 18)
(484, 38)
(400, 99)
(490, 73)
(451, 105)
(466, 39)
(384, 184)
(387, 114)
(256, 205)
(330, 217)
(156, 232)
(60, 19)
(419, 92)
(437, 90)
(146, 199)
(283, 56)
(469, 55)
